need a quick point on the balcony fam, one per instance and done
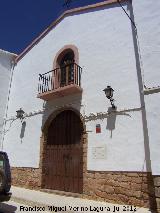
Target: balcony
(60, 82)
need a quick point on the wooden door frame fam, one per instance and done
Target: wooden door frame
(43, 141)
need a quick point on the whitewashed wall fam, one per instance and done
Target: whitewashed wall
(5, 74)
(106, 52)
(148, 24)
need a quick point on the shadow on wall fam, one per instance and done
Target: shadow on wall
(23, 127)
(111, 118)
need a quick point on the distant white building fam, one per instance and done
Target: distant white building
(6, 64)
(70, 138)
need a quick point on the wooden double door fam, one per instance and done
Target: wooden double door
(64, 153)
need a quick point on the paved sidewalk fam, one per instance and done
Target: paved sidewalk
(58, 203)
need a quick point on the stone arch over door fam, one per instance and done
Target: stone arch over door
(62, 162)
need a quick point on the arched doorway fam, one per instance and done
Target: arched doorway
(64, 153)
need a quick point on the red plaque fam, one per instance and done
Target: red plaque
(98, 128)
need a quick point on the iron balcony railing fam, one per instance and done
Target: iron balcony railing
(60, 77)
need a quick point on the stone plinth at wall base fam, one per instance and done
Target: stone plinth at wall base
(158, 203)
(157, 191)
(131, 188)
(26, 177)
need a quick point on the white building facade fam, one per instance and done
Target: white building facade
(6, 63)
(70, 138)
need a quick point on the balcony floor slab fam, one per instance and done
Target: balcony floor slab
(60, 92)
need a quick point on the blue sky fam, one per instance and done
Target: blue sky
(23, 20)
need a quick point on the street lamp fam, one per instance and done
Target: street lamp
(20, 114)
(109, 94)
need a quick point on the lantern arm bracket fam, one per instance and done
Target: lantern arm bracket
(112, 103)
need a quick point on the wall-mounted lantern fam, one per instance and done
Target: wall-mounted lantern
(109, 94)
(20, 114)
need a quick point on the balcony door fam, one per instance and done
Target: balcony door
(67, 69)
(64, 153)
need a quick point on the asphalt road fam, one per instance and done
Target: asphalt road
(11, 207)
